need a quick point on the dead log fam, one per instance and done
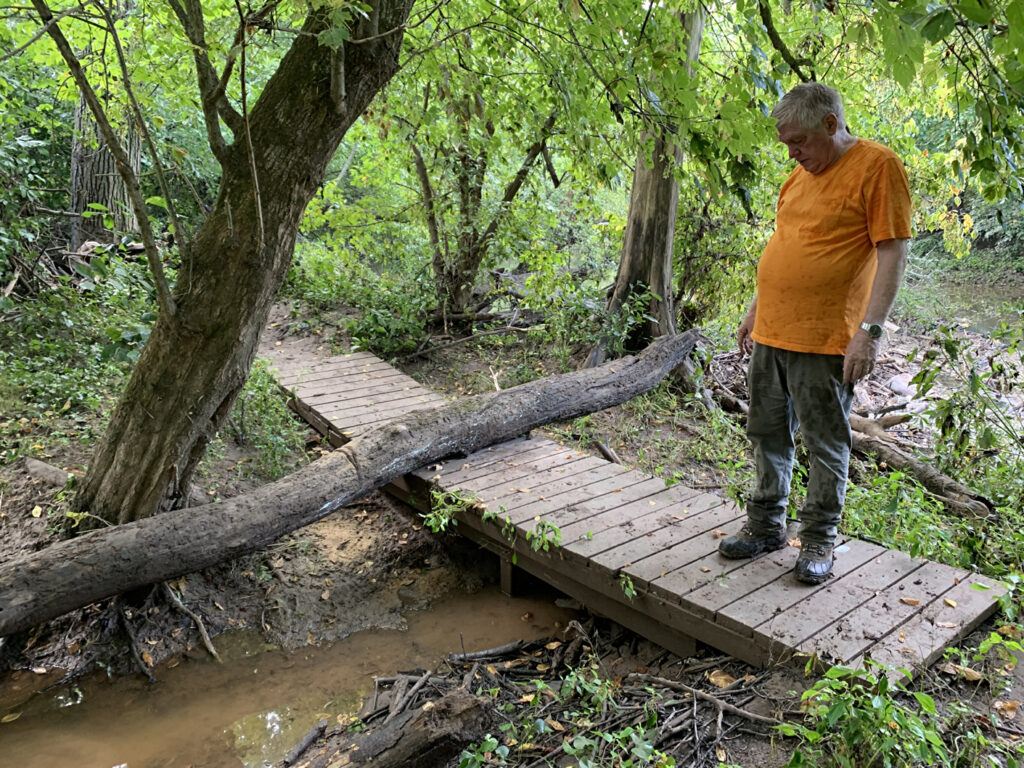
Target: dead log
(107, 562)
(956, 496)
(423, 738)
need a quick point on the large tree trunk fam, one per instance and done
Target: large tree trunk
(195, 362)
(80, 571)
(94, 179)
(646, 261)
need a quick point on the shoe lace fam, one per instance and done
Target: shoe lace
(815, 551)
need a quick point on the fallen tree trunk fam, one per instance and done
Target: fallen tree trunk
(107, 562)
(956, 496)
(422, 738)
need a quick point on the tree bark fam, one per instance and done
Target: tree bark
(421, 738)
(94, 179)
(956, 496)
(195, 362)
(97, 565)
(648, 243)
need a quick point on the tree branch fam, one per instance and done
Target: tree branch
(211, 90)
(780, 45)
(512, 189)
(429, 205)
(131, 181)
(39, 33)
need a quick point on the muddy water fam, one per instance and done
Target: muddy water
(252, 709)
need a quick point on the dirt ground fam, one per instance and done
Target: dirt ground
(364, 566)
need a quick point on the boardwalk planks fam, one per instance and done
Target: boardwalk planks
(597, 530)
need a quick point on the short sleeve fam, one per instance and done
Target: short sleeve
(887, 201)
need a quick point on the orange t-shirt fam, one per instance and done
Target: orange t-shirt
(815, 275)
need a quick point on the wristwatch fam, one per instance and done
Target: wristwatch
(874, 330)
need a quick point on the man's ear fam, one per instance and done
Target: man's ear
(831, 123)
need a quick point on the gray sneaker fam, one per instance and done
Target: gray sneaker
(814, 564)
(748, 543)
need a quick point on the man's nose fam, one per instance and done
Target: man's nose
(793, 152)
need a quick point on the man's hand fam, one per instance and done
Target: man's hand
(743, 340)
(860, 357)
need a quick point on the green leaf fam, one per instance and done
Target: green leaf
(938, 25)
(157, 201)
(927, 702)
(978, 11)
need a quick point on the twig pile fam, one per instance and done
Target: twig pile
(552, 697)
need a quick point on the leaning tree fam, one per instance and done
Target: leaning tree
(272, 150)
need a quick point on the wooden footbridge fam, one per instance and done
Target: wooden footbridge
(644, 554)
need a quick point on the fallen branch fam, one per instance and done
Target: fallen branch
(501, 650)
(307, 741)
(133, 642)
(699, 694)
(103, 563)
(196, 619)
(956, 496)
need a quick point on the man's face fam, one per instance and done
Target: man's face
(813, 148)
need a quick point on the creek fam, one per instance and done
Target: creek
(251, 710)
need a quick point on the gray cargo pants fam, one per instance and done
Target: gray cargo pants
(787, 390)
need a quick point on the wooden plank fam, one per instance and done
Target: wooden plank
(673, 583)
(544, 566)
(642, 521)
(857, 631)
(315, 375)
(569, 476)
(331, 394)
(513, 471)
(286, 362)
(589, 532)
(504, 456)
(922, 639)
(571, 509)
(373, 417)
(481, 458)
(684, 542)
(688, 521)
(674, 500)
(318, 378)
(605, 595)
(318, 381)
(785, 631)
(757, 594)
(382, 408)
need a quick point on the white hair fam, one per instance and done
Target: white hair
(808, 104)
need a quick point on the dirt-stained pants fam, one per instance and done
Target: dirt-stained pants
(787, 390)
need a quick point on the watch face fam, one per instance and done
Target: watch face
(874, 331)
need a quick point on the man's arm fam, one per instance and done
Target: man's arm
(743, 340)
(862, 349)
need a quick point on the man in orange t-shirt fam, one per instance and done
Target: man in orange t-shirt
(825, 284)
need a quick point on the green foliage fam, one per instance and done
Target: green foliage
(855, 722)
(64, 354)
(584, 698)
(389, 311)
(488, 752)
(894, 508)
(262, 421)
(544, 536)
(445, 505)
(859, 719)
